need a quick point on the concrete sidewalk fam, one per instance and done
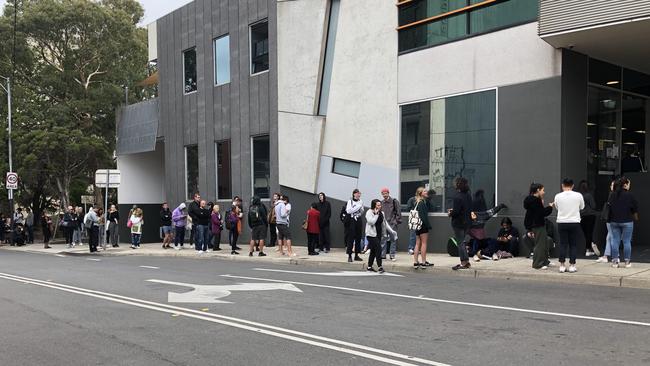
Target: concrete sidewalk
(589, 271)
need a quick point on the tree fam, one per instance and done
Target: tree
(76, 56)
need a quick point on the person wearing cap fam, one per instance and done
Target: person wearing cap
(392, 213)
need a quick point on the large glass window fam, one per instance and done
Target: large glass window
(224, 179)
(261, 166)
(335, 5)
(448, 138)
(222, 60)
(191, 170)
(456, 19)
(259, 34)
(189, 71)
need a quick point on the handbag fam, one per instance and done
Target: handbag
(415, 222)
(129, 224)
(305, 224)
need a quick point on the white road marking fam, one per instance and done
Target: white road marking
(61, 255)
(333, 274)
(259, 328)
(212, 293)
(452, 302)
(93, 259)
(150, 267)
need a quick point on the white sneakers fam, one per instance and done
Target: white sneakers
(602, 259)
(476, 258)
(594, 247)
(589, 253)
(573, 269)
(562, 268)
(628, 264)
(495, 257)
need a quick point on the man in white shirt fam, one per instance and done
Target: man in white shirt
(568, 204)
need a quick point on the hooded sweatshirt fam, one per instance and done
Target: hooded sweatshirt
(178, 217)
(325, 209)
(535, 212)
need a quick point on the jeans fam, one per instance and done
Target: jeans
(608, 241)
(412, 239)
(621, 231)
(570, 236)
(135, 239)
(462, 238)
(375, 250)
(179, 238)
(112, 233)
(76, 236)
(389, 244)
(353, 236)
(201, 240)
(30, 234)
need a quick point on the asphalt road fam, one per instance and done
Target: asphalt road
(78, 311)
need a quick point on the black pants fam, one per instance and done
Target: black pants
(570, 236)
(587, 224)
(67, 232)
(324, 242)
(93, 238)
(30, 234)
(216, 240)
(312, 242)
(179, 238)
(233, 236)
(274, 235)
(374, 244)
(47, 234)
(353, 233)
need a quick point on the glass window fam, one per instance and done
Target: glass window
(329, 57)
(191, 170)
(604, 73)
(222, 60)
(259, 47)
(224, 190)
(636, 82)
(189, 70)
(633, 131)
(262, 166)
(346, 167)
(448, 138)
(482, 19)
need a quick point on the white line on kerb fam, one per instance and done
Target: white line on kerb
(487, 306)
(61, 255)
(94, 259)
(296, 336)
(150, 267)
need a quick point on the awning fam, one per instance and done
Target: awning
(137, 127)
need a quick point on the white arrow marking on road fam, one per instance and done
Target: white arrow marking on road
(211, 293)
(333, 274)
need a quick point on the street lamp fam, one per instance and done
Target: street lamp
(11, 168)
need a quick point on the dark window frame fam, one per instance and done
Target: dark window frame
(250, 47)
(268, 177)
(196, 70)
(219, 178)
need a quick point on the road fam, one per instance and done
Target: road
(81, 310)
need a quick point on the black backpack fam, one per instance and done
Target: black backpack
(228, 222)
(254, 216)
(452, 247)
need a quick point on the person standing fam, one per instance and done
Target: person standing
(137, 221)
(216, 225)
(91, 222)
(78, 227)
(113, 226)
(313, 229)
(375, 230)
(325, 209)
(179, 219)
(201, 224)
(67, 224)
(29, 225)
(461, 220)
(588, 219)
(19, 218)
(624, 210)
(46, 226)
(393, 215)
(569, 204)
(257, 222)
(166, 224)
(535, 223)
(232, 221)
(421, 233)
(272, 221)
(283, 214)
(193, 212)
(354, 226)
(102, 228)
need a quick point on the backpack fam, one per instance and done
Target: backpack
(88, 223)
(228, 221)
(254, 217)
(345, 216)
(452, 247)
(271, 217)
(415, 222)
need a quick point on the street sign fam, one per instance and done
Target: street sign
(87, 200)
(12, 180)
(112, 176)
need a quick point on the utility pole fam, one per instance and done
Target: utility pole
(10, 191)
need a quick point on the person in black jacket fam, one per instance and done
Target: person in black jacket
(623, 211)
(202, 227)
(166, 225)
(461, 219)
(325, 208)
(535, 223)
(193, 212)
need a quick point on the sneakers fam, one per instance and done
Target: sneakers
(589, 253)
(349, 259)
(476, 258)
(594, 247)
(615, 265)
(562, 268)
(573, 269)
(628, 264)
(250, 254)
(234, 253)
(410, 251)
(495, 257)
(261, 254)
(461, 266)
(370, 269)
(602, 259)
(393, 259)
(542, 268)
(381, 270)
(426, 264)
(357, 258)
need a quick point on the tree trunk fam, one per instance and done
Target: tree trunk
(62, 189)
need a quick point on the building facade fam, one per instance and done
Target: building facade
(369, 94)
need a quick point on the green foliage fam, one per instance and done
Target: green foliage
(73, 60)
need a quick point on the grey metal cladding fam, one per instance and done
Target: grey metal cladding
(565, 15)
(245, 107)
(137, 127)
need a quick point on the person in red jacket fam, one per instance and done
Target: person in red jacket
(313, 229)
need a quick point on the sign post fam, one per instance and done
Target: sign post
(12, 181)
(106, 178)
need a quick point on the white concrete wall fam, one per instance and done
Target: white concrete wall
(152, 32)
(301, 37)
(143, 177)
(511, 56)
(362, 118)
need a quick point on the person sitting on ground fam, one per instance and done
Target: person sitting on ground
(19, 235)
(507, 243)
(480, 216)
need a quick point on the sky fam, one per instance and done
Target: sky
(153, 9)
